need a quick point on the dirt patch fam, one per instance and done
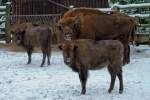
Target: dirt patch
(13, 47)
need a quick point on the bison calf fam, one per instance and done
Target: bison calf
(29, 36)
(84, 54)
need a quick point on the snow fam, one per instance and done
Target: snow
(2, 13)
(2, 42)
(105, 9)
(140, 15)
(19, 81)
(132, 5)
(2, 7)
(8, 3)
(2, 18)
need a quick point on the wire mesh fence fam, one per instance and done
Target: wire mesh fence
(48, 19)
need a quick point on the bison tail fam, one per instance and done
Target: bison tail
(49, 38)
(133, 34)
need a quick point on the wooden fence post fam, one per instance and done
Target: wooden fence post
(7, 23)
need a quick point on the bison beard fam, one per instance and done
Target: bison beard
(85, 54)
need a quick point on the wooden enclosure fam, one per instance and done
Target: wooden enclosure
(47, 12)
(141, 13)
(34, 7)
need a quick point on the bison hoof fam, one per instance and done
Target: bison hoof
(48, 63)
(109, 90)
(41, 66)
(83, 92)
(120, 91)
(28, 63)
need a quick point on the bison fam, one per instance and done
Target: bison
(87, 23)
(30, 35)
(86, 54)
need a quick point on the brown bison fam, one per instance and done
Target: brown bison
(84, 54)
(86, 23)
(29, 36)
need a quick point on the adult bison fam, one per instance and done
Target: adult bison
(31, 35)
(86, 23)
(84, 54)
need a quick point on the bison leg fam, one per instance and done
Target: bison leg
(83, 74)
(29, 52)
(48, 56)
(120, 82)
(43, 61)
(128, 55)
(113, 78)
(44, 56)
(126, 58)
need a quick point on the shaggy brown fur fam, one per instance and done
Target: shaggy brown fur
(29, 36)
(86, 23)
(82, 55)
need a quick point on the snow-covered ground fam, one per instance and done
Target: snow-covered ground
(19, 81)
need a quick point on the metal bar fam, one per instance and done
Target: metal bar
(37, 15)
(58, 4)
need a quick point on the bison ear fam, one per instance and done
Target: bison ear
(60, 47)
(58, 26)
(23, 27)
(22, 32)
(12, 32)
(75, 47)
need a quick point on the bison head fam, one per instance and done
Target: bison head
(17, 34)
(18, 31)
(68, 53)
(17, 37)
(69, 27)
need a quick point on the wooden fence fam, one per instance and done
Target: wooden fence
(141, 12)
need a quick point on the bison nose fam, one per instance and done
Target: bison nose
(68, 61)
(67, 36)
(18, 42)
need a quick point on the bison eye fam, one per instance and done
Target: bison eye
(60, 28)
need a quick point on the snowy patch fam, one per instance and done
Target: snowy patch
(19, 81)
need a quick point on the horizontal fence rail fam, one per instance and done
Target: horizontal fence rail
(48, 19)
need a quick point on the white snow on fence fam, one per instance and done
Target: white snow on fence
(2, 7)
(132, 5)
(105, 9)
(140, 15)
(2, 13)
